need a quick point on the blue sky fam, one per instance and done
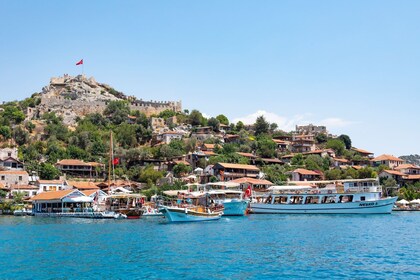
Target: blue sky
(351, 65)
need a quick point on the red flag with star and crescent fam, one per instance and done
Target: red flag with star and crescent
(80, 62)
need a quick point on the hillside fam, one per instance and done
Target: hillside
(71, 97)
(413, 159)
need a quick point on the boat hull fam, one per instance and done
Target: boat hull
(179, 215)
(235, 208)
(382, 206)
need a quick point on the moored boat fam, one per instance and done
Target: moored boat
(191, 214)
(232, 200)
(354, 197)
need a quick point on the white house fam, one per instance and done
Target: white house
(52, 185)
(14, 177)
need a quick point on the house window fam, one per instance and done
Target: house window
(9, 154)
(3, 178)
(20, 178)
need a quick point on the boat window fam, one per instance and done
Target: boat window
(312, 199)
(328, 199)
(297, 199)
(345, 198)
(362, 198)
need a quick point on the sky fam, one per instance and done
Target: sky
(353, 66)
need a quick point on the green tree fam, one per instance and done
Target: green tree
(21, 136)
(181, 169)
(13, 114)
(117, 111)
(337, 145)
(48, 171)
(239, 126)
(261, 126)
(366, 173)
(321, 138)
(273, 127)
(150, 176)
(196, 118)
(167, 114)
(223, 119)
(297, 160)
(266, 147)
(333, 174)
(346, 140)
(5, 132)
(214, 124)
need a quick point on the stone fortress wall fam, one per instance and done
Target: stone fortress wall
(70, 97)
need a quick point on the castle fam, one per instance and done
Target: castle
(72, 97)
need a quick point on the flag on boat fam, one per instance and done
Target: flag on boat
(248, 191)
(80, 62)
(115, 161)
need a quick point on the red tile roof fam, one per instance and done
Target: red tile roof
(83, 185)
(246, 155)
(52, 195)
(89, 192)
(406, 166)
(52, 182)
(239, 166)
(14, 172)
(387, 158)
(362, 151)
(394, 172)
(306, 172)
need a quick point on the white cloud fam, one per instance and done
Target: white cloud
(335, 123)
(289, 123)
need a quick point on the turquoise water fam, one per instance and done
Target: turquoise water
(253, 247)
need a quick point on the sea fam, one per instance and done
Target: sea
(250, 247)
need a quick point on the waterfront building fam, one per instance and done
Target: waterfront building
(83, 185)
(26, 190)
(64, 201)
(52, 185)
(231, 171)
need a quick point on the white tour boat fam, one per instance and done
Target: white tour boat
(352, 197)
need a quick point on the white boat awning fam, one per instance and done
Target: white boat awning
(290, 188)
(78, 199)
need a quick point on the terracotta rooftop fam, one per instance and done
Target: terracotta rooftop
(387, 158)
(52, 195)
(89, 192)
(249, 155)
(305, 172)
(14, 172)
(362, 151)
(83, 185)
(394, 172)
(406, 166)
(239, 166)
(412, 177)
(77, 162)
(52, 182)
(24, 187)
(270, 160)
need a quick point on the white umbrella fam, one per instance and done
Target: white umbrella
(402, 201)
(415, 201)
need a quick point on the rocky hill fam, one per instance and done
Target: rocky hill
(413, 159)
(70, 97)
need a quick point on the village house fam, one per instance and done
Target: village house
(387, 160)
(303, 143)
(231, 138)
(168, 136)
(83, 185)
(79, 168)
(202, 133)
(14, 177)
(282, 146)
(322, 153)
(8, 159)
(393, 174)
(408, 169)
(231, 171)
(363, 153)
(157, 125)
(52, 185)
(301, 174)
(26, 190)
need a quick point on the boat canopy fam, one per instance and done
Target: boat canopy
(290, 188)
(78, 199)
(175, 192)
(126, 195)
(225, 184)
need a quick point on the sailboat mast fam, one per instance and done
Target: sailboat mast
(110, 163)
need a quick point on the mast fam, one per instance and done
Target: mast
(111, 159)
